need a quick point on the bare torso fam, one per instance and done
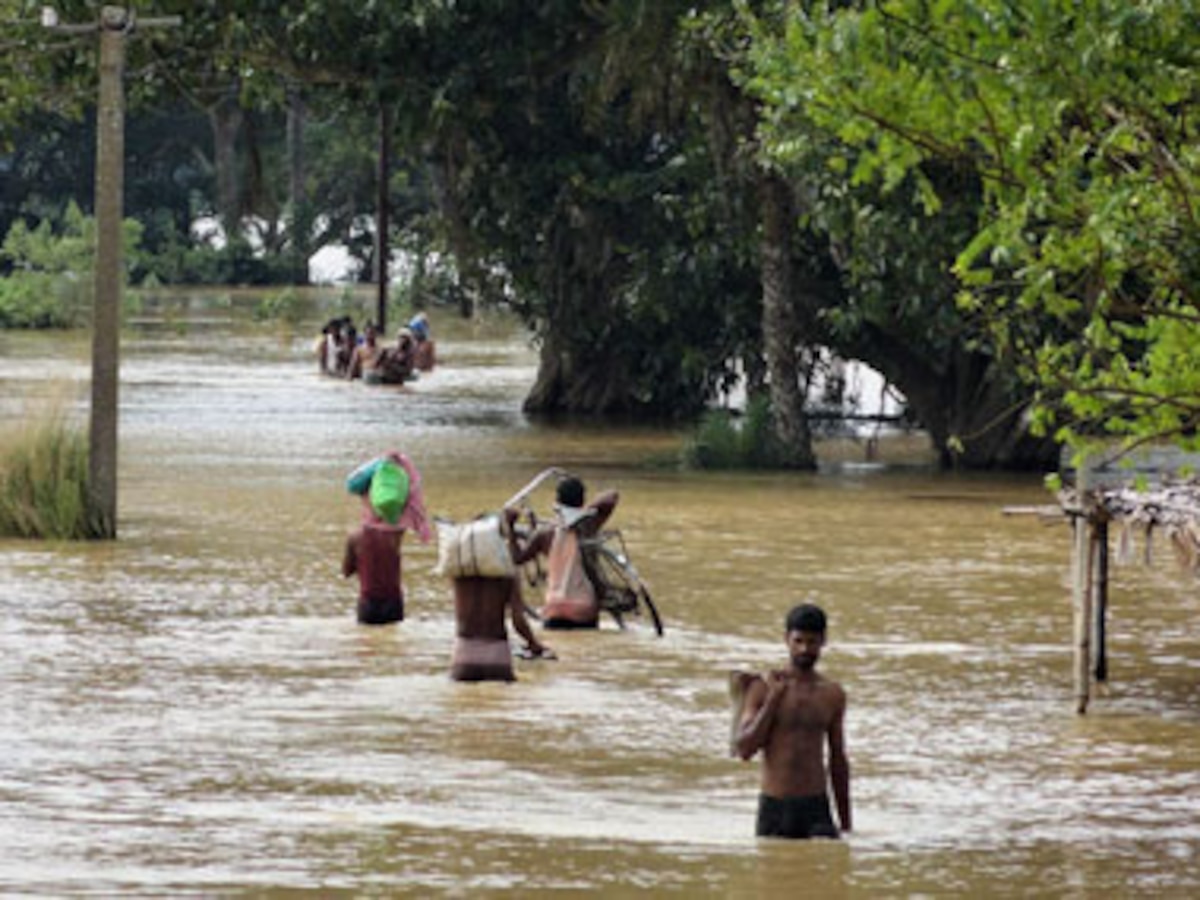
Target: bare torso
(480, 604)
(794, 752)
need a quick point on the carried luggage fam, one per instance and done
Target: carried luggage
(386, 485)
(477, 548)
(389, 491)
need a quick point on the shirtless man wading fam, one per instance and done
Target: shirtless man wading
(481, 607)
(792, 715)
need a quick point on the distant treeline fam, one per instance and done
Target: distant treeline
(993, 204)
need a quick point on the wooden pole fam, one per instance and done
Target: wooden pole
(114, 25)
(106, 316)
(1100, 600)
(300, 224)
(1081, 571)
(382, 254)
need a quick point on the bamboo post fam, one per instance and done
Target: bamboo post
(1081, 572)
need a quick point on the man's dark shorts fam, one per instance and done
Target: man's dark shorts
(795, 817)
(569, 624)
(380, 612)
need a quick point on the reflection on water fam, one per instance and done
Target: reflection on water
(194, 707)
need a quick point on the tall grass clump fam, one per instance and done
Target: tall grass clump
(724, 440)
(44, 481)
(288, 305)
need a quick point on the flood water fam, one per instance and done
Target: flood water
(193, 709)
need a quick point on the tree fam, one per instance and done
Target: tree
(592, 229)
(1078, 122)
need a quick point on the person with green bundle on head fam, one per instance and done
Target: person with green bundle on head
(392, 503)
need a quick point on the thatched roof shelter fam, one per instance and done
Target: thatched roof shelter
(1167, 512)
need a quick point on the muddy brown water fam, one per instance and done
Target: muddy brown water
(192, 708)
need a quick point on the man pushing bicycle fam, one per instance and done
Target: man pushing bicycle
(571, 600)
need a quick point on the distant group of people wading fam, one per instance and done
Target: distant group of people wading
(343, 352)
(794, 716)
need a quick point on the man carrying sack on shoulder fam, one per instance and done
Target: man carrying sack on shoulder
(478, 558)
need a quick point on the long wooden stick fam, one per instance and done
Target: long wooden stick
(524, 492)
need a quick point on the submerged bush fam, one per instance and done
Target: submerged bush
(44, 482)
(724, 440)
(43, 300)
(50, 285)
(288, 305)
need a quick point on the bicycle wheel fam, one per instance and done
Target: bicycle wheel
(654, 616)
(619, 589)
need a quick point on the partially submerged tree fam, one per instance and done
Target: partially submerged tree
(1080, 126)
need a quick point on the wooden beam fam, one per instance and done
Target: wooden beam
(1100, 600)
(1081, 577)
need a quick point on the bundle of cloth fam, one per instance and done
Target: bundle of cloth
(390, 486)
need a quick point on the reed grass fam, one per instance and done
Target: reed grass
(724, 440)
(44, 480)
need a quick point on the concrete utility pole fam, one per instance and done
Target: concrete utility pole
(114, 25)
(106, 317)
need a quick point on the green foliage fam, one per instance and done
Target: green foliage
(44, 482)
(40, 300)
(33, 57)
(594, 211)
(1078, 120)
(724, 440)
(878, 249)
(288, 305)
(571, 146)
(594, 166)
(50, 285)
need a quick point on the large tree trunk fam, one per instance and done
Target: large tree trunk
(973, 409)
(546, 397)
(259, 201)
(574, 379)
(586, 368)
(300, 226)
(781, 338)
(472, 277)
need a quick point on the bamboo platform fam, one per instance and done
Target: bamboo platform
(1170, 509)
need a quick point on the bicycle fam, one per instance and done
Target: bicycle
(620, 589)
